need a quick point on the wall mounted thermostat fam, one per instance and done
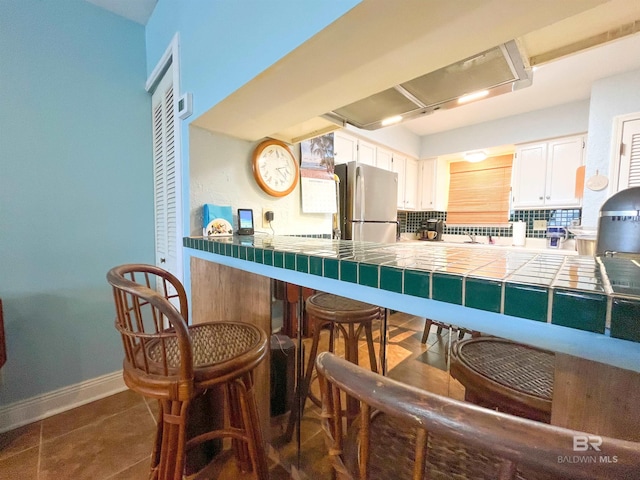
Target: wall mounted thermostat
(185, 105)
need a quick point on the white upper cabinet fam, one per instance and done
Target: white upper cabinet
(529, 174)
(398, 165)
(407, 170)
(345, 148)
(427, 184)
(366, 153)
(544, 173)
(384, 158)
(411, 184)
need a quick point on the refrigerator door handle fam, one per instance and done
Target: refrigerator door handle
(359, 198)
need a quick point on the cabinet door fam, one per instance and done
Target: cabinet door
(345, 148)
(565, 155)
(411, 184)
(529, 175)
(383, 158)
(398, 163)
(366, 153)
(427, 189)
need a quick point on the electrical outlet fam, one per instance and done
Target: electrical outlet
(539, 224)
(265, 223)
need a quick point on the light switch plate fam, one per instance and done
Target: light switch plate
(539, 224)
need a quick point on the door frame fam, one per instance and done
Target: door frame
(614, 162)
(171, 57)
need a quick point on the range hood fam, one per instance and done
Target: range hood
(493, 72)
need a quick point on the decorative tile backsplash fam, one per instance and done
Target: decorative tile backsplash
(554, 218)
(410, 222)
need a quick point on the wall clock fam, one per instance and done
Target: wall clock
(274, 167)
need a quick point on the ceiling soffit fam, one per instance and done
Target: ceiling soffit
(370, 49)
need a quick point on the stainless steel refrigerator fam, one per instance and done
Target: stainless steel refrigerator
(368, 199)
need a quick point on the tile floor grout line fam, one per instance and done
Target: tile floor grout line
(126, 468)
(40, 450)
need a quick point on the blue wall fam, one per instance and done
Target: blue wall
(224, 44)
(76, 193)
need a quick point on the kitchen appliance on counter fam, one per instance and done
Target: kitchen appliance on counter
(585, 239)
(619, 224)
(431, 230)
(556, 236)
(368, 198)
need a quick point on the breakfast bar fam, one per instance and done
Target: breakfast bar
(585, 309)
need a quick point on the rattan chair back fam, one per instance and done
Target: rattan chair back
(152, 318)
(406, 433)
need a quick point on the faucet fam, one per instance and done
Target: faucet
(472, 237)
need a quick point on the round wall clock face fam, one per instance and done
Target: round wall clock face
(274, 168)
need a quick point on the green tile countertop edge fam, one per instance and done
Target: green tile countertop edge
(571, 291)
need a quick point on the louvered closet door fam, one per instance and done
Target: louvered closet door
(165, 175)
(630, 155)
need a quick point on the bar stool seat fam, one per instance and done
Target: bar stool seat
(346, 316)
(505, 376)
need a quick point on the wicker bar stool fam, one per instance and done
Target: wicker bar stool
(350, 318)
(505, 376)
(177, 364)
(404, 432)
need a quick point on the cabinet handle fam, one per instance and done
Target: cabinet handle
(548, 197)
(540, 198)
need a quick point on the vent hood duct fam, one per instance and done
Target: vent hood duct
(498, 70)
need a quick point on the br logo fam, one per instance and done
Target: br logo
(582, 443)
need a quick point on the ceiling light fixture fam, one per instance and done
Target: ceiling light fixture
(391, 120)
(473, 96)
(476, 156)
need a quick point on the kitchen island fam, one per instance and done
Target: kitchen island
(583, 308)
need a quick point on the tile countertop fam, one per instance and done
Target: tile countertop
(600, 295)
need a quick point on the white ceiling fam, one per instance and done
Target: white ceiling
(137, 10)
(562, 81)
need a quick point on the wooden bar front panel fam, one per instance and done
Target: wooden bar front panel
(596, 398)
(221, 293)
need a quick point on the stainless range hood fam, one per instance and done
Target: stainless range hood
(498, 70)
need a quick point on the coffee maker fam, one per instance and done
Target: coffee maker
(431, 230)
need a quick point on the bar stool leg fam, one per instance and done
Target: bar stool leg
(351, 354)
(255, 443)
(237, 421)
(427, 328)
(372, 354)
(302, 391)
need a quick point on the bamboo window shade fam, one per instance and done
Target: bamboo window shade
(479, 192)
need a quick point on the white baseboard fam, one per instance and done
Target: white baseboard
(43, 406)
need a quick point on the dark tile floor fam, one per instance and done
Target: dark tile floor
(112, 438)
